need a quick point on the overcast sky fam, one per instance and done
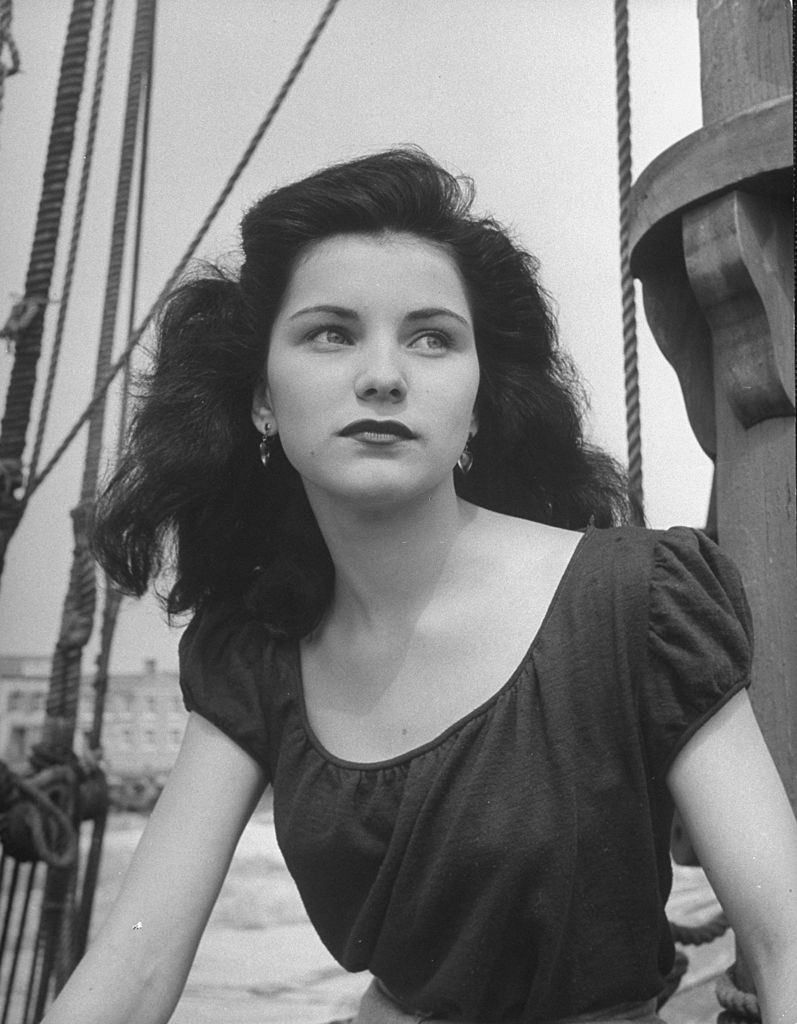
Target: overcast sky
(517, 93)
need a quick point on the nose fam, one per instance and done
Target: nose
(380, 375)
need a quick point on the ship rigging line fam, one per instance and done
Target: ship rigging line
(136, 336)
(77, 227)
(630, 365)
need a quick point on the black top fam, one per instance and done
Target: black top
(516, 867)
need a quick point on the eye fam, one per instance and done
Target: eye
(329, 336)
(431, 341)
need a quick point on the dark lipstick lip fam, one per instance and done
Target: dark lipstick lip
(378, 427)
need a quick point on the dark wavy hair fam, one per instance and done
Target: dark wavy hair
(190, 493)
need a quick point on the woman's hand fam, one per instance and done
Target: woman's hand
(740, 822)
(136, 967)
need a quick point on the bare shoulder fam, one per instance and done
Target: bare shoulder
(508, 544)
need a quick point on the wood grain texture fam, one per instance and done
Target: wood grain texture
(745, 54)
(737, 251)
(738, 258)
(753, 149)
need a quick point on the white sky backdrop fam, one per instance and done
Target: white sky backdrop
(519, 94)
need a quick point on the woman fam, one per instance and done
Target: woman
(476, 706)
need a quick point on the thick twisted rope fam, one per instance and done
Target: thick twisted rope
(26, 322)
(135, 338)
(698, 935)
(78, 612)
(738, 1004)
(77, 227)
(630, 366)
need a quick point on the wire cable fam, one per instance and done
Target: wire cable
(134, 339)
(77, 227)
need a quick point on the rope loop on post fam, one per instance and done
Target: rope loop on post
(740, 1006)
(699, 934)
(33, 825)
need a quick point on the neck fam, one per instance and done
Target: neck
(390, 563)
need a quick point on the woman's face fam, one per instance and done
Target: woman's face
(372, 372)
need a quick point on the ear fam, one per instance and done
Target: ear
(474, 425)
(262, 413)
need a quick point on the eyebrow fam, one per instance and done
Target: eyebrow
(427, 313)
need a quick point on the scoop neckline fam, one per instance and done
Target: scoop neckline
(460, 723)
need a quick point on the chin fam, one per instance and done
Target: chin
(389, 493)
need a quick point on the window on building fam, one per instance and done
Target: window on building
(35, 702)
(15, 700)
(149, 737)
(151, 704)
(16, 747)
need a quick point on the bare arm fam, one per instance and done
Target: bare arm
(137, 974)
(741, 824)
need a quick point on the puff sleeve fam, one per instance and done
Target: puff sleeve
(223, 677)
(699, 642)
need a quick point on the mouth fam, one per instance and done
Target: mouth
(378, 431)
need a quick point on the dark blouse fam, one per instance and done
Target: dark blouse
(516, 867)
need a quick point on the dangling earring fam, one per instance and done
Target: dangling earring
(465, 461)
(266, 447)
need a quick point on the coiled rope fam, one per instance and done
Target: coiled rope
(739, 1005)
(133, 340)
(630, 365)
(32, 826)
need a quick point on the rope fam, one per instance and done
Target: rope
(36, 827)
(630, 366)
(139, 71)
(7, 43)
(26, 323)
(134, 339)
(740, 1005)
(66, 291)
(78, 612)
(113, 598)
(698, 935)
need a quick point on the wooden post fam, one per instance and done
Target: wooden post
(712, 242)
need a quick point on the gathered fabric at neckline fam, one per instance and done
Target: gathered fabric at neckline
(406, 757)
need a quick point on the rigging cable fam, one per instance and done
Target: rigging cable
(112, 596)
(77, 227)
(78, 610)
(134, 339)
(630, 364)
(25, 325)
(57, 946)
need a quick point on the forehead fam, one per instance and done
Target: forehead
(358, 268)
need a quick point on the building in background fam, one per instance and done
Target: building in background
(144, 716)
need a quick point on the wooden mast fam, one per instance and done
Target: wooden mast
(712, 243)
